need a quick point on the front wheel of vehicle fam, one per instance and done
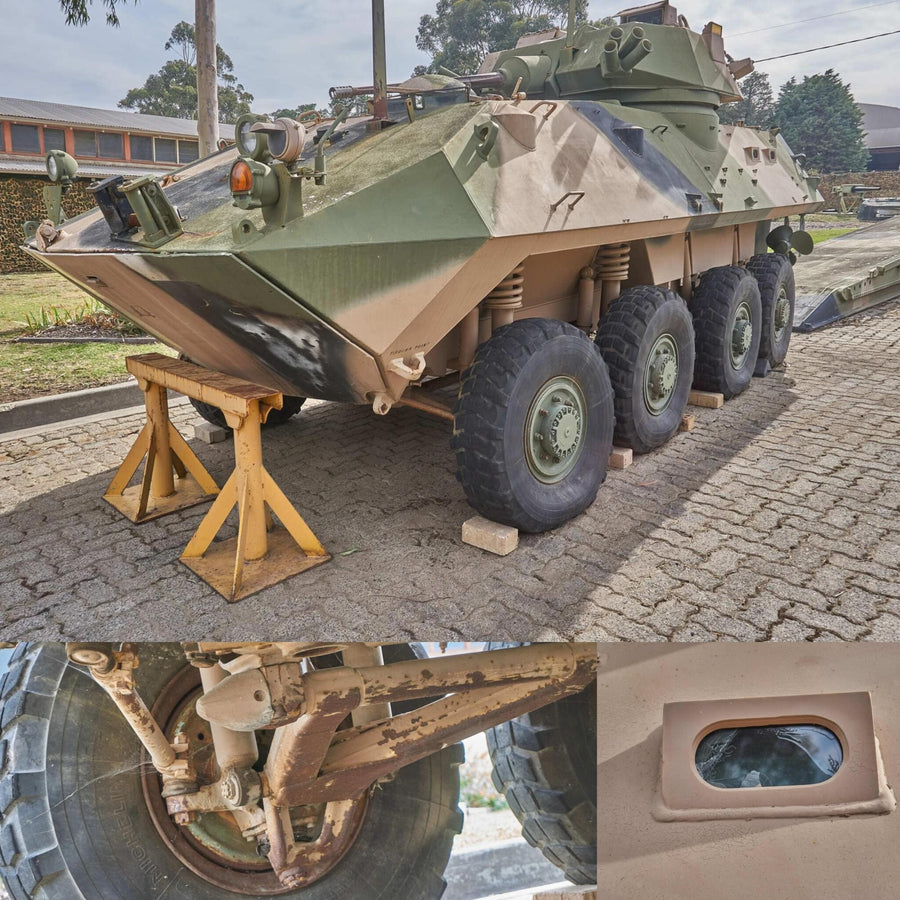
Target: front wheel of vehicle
(533, 425)
(78, 824)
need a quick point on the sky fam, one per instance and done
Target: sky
(287, 52)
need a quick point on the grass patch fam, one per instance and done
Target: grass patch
(24, 295)
(826, 234)
(832, 220)
(35, 370)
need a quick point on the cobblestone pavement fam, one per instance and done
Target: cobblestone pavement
(777, 518)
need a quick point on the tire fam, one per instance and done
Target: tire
(545, 763)
(212, 414)
(75, 825)
(215, 416)
(725, 295)
(510, 478)
(775, 276)
(646, 325)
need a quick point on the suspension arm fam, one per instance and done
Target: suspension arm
(278, 695)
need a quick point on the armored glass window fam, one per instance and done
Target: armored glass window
(142, 147)
(165, 150)
(25, 138)
(54, 139)
(188, 151)
(768, 756)
(85, 143)
(112, 146)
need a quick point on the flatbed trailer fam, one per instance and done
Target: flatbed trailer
(847, 275)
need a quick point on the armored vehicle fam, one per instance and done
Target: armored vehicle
(570, 237)
(218, 771)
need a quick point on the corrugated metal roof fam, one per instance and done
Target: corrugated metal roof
(63, 113)
(12, 166)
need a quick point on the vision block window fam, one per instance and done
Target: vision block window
(142, 147)
(188, 151)
(54, 139)
(165, 150)
(769, 756)
(85, 143)
(25, 139)
(111, 146)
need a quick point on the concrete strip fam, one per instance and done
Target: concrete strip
(43, 411)
(70, 424)
(499, 868)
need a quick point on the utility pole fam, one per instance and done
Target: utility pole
(380, 62)
(207, 76)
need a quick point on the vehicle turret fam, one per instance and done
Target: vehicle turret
(648, 59)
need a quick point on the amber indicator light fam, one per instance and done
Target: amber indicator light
(241, 178)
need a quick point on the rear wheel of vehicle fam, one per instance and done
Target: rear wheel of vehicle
(77, 825)
(775, 276)
(647, 341)
(728, 324)
(215, 416)
(533, 425)
(212, 414)
(545, 763)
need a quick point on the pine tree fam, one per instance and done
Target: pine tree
(819, 117)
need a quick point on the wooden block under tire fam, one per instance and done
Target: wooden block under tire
(621, 458)
(687, 422)
(706, 399)
(491, 536)
(583, 892)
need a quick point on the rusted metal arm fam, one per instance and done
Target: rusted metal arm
(360, 756)
(299, 864)
(114, 672)
(274, 696)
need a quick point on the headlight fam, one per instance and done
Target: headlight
(250, 145)
(286, 137)
(61, 167)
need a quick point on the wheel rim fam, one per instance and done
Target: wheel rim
(212, 846)
(741, 335)
(661, 374)
(554, 429)
(782, 314)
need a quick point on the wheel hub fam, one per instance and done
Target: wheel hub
(782, 314)
(211, 844)
(555, 425)
(741, 336)
(661, 374)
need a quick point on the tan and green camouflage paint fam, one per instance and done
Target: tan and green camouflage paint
(414, 226)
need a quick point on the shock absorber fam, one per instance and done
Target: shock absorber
(506, 298)
(612, 269)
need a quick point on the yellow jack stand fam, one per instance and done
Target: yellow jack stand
(262, 554)
(168, 455)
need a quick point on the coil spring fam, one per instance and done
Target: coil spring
(509, 293)
(612, 262)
